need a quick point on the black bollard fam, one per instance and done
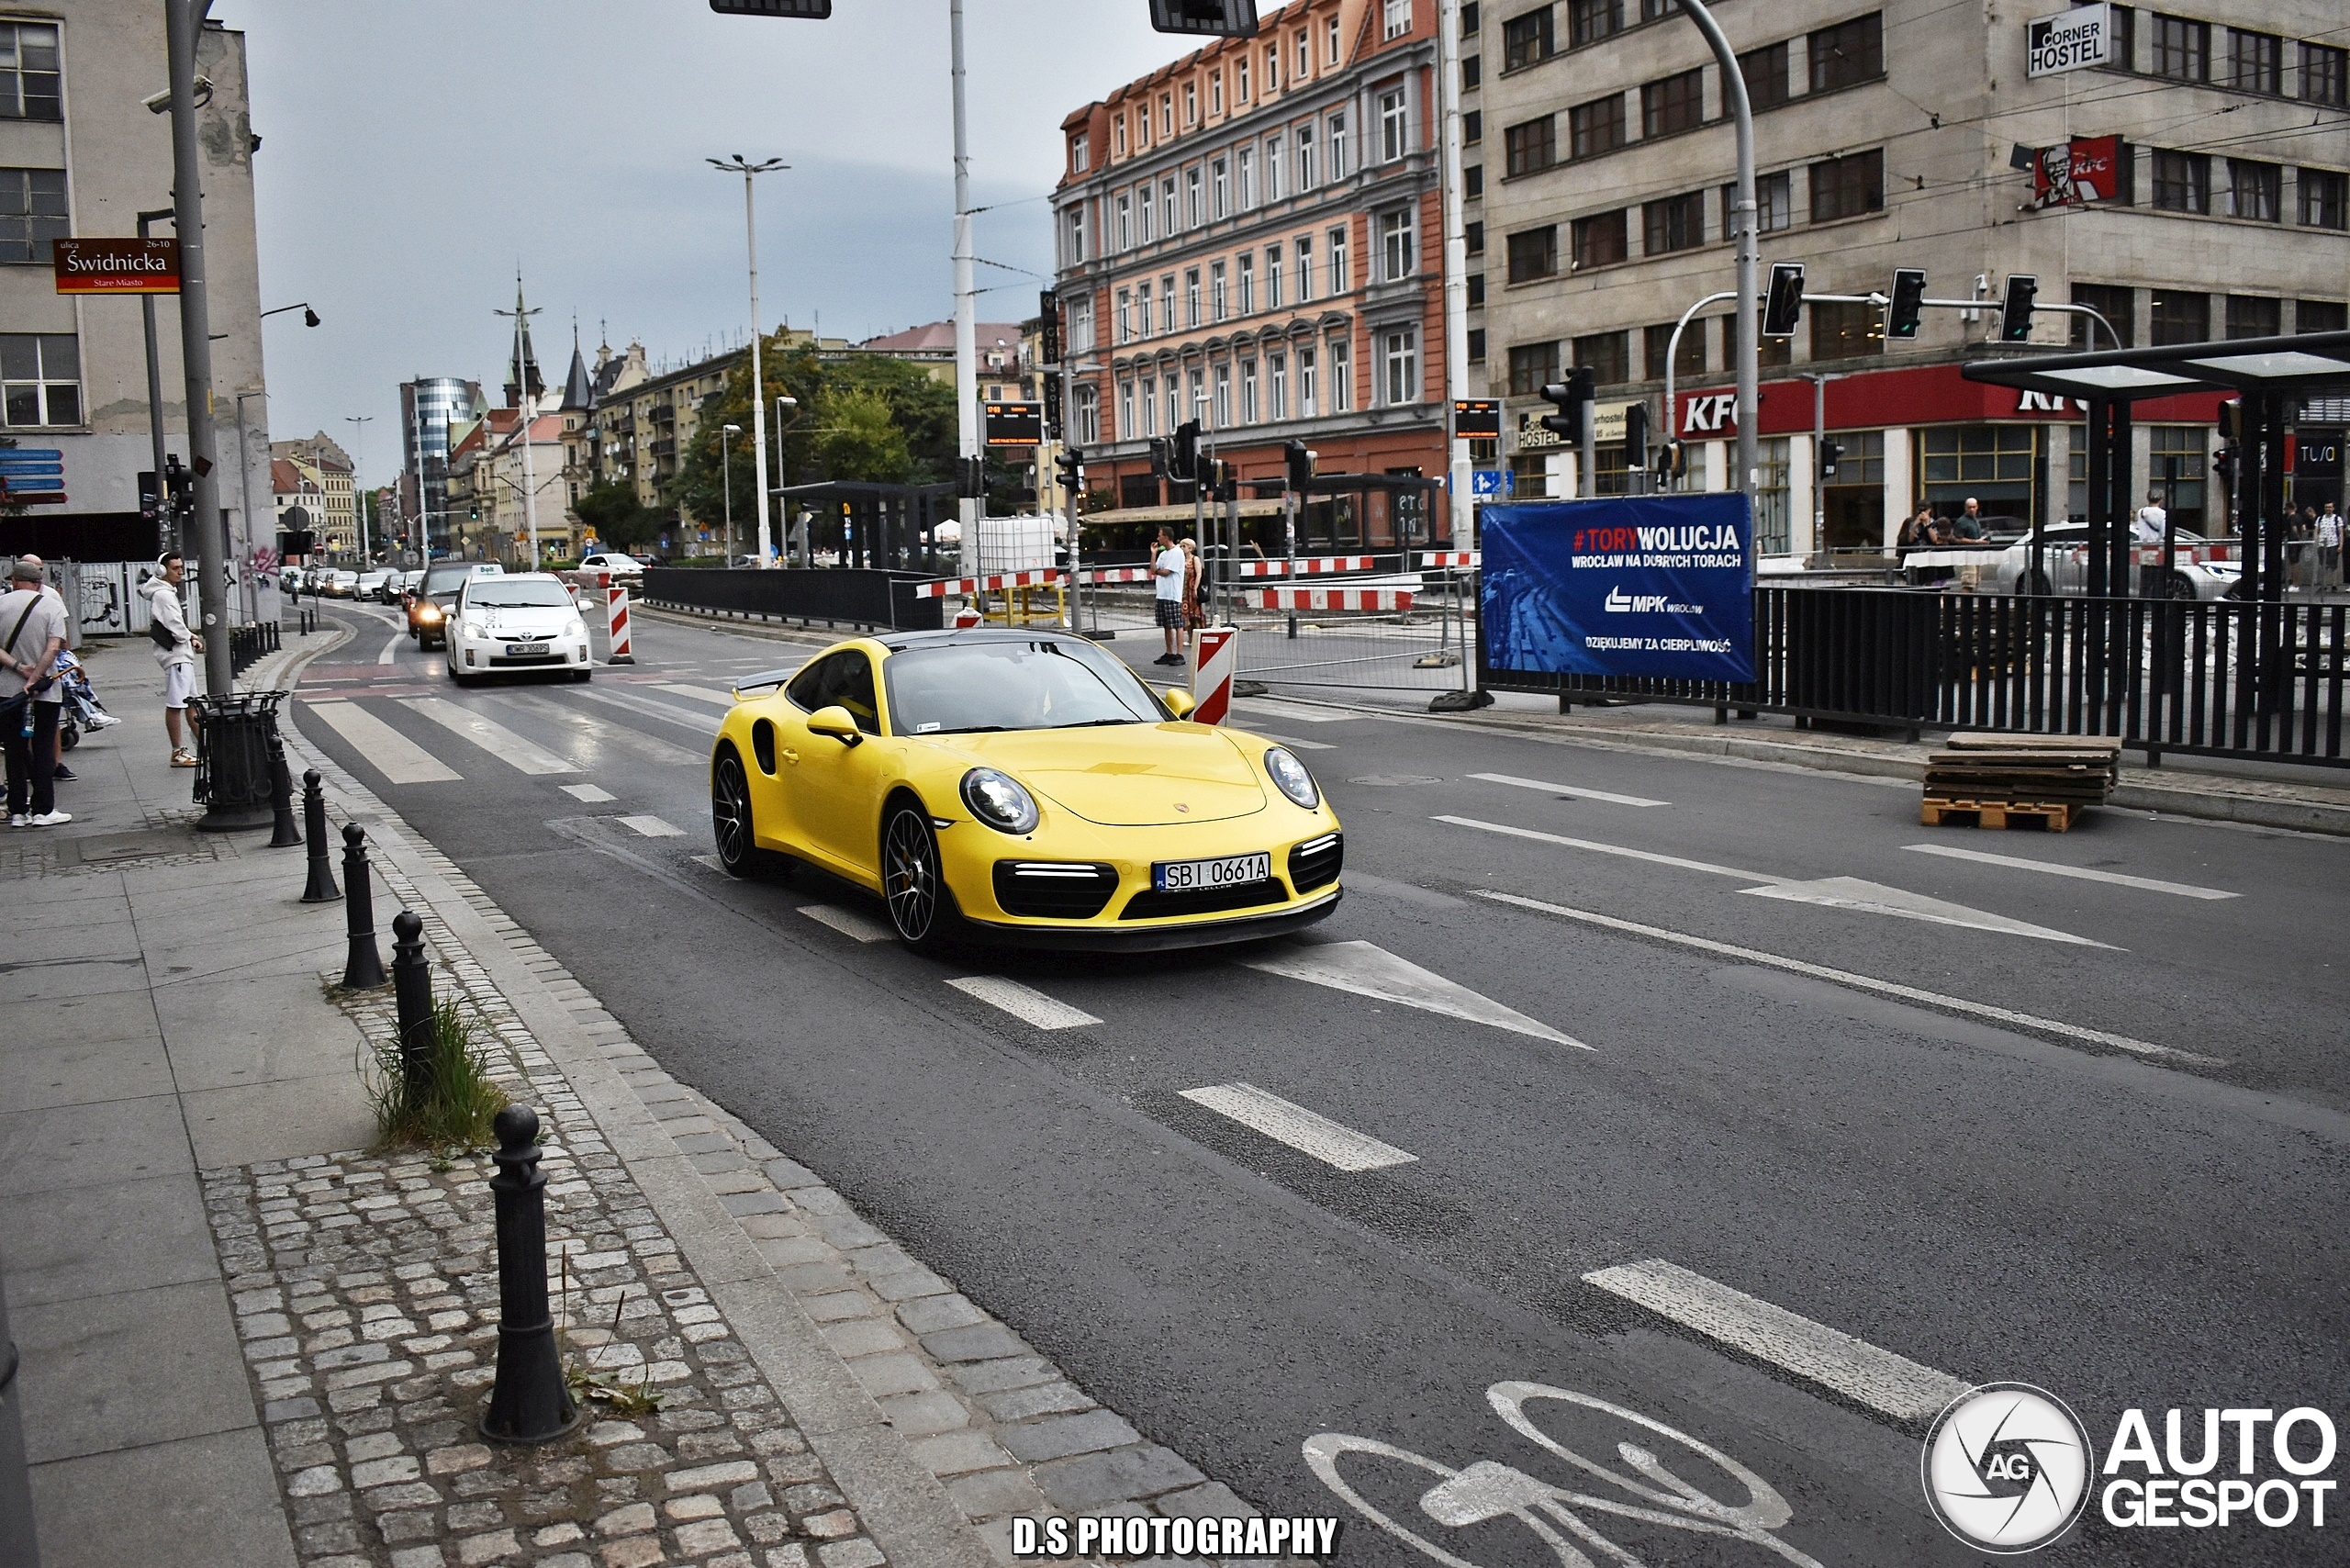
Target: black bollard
(286, 833)
(321, 889)
(365, 970)
(528, 1402)
(412, 988)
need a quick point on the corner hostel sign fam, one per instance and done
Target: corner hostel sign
(1606, 427)
(118, 266)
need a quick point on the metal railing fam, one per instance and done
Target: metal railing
(837, 596)
(249, 644)
(2212, 677)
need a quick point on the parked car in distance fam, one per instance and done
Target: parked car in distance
(371, 584)
(613, 561)
(429, 605)
(341, 584)
(2200, 568)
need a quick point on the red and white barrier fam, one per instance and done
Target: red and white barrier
(1330, 598)
(1116, 575)
(1449, 557)
(1216, 657)
(616, 620)
(1309, 566)
(947, 586)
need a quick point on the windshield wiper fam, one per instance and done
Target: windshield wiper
(966, 730)
(1089, 723)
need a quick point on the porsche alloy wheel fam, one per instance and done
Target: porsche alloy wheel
(910, 878)
(730, 816)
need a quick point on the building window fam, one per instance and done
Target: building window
(40, 376)
(1215, 92)
(1246, 170)
(1764, 71)
(2182, 181)
(1306, 403)
(1588, 21)
(2250, 315)
(1600, 239)
(1773, 204)
(1076, 234)
(1190, 102)
(1477, 343)
(1676, 223)
(1305, 156)
(1277, 385)
(1174, 223)
(1248, 283)
(1475, 233)
(1304, 56)
(2180, 318)
(1476, 291)
(1142, 308)
(1846, 187)
(1596, 126)
(1527, 38)
(1272, 168)
(2175, 463)
(1341, 276)
(1532, 147)
(1272, 278)
(1125, 313)
(29, 76)
(1126, 410)
(1532, 366)
(1223, 415)
(1125, 241)
(1219, 179)
(1399, 18)
(1331, 50)
(1472, 181)
(2325, 75)
(2253, 189)
(1118, 136)
(1400, 354)
(1534, 252)
(1844, 331)
(1240, 81)
(1847, 53)
(1469, 20)
(1304, 268)
(1342, 375)
(1393, 129)
(1089, 415)
(2119, 305)
(1608, 355)
(32, 213)
(1396, 245)
(2325, 198)
(1338, 146)
(2320, 316)
(1176, 410)
(2182, 49)
(2255, 61)
(1770, 503)
(1081, 155)
(1192, 296)
(1217, 307)
(1677, 103)
(1691, 359)
(1248, 392)
(1194, 205)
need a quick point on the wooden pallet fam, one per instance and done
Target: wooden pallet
(2054, 816)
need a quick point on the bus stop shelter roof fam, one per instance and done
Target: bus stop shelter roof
(2313, 364)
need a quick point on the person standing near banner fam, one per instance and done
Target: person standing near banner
(1167, 572)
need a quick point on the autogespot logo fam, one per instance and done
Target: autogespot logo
(2007, 1467)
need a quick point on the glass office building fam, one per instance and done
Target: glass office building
(429, 406)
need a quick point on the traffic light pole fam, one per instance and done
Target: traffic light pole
(1456, 276)
(1743, 234)
(155, 379)
(183, 19)
(967, 306)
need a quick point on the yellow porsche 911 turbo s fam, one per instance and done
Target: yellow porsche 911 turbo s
(1023, 788)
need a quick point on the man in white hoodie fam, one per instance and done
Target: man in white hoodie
(164, 608)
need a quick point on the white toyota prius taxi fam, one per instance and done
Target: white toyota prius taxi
(508, 624)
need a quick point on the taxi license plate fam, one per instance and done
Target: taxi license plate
(1186, 875)
(524, 650)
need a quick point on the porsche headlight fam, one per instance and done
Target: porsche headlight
(998, 800)
(1289, 776)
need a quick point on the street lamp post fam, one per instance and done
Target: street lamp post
(738, 163)
(182, 19)
(358, 444)
(245, 501)
(783, 476)
(726, 478)
(1742, 233)
(967, 306)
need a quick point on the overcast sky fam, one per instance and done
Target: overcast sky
(415, 154)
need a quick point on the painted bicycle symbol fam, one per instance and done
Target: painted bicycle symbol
(1488, 1490)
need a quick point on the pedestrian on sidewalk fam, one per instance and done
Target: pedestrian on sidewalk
(1193, 616)
(176, 649)
(2327, 530)
(33, 630)
(57, 770)
(2153, 519)
(1167, 570)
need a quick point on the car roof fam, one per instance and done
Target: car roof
(962, 636)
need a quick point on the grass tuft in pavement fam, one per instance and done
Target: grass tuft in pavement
(448, 1105)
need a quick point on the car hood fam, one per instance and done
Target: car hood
(1127, 775)
(529, 621)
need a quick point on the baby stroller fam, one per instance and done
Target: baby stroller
(82, 709)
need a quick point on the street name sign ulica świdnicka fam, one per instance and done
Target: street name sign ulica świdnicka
(118, 266)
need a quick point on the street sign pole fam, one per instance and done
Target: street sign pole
(183, 18)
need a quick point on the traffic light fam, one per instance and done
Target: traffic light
(2223, 462)
(1158, 457)
(1214, 19)
(1908, 304)
(1572, 399)
(1831, 454)
(1298, 466)
(971, 478)
(151, 496)
(180, 482)
(1183, 459)
(1782, 306)
(1070, 466)
(1636, 435)
(2015, 314)
(1674, 461)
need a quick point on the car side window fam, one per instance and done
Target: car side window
(807, 689)
(851, 686)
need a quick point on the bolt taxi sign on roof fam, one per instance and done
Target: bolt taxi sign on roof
(118, 266)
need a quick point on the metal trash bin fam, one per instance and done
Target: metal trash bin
(232, 778)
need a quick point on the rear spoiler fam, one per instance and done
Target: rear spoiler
(765, 677)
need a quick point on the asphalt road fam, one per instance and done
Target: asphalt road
(2097, 1146)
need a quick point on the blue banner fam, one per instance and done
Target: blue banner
(1623, 585)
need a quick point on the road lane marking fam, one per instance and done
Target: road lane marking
(1330, 1142)
(1303, 714)
(1893, 1385)
(590, 794)
(1364, 968)
(1627, 853)
(700, 723)
(1568, 790)
(400, 759)
(490, 735)
(1027, 1005)
(1875, 897)
(700, 693)
(1858, 982)
(847, 922)
(2149, 884)
(1293, 741)
(392, 649)
(650, 827)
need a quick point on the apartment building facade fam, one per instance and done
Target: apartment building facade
(1252, 237)
(2213, 156)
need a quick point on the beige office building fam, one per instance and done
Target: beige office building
(2208, 171)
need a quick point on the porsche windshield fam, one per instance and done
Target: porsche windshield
(1041, 684)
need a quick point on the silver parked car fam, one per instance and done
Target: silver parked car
(2199, 569)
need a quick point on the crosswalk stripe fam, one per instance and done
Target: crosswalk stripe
(1028, 1005)
(700, 693)
(591, 793)
(1879, 1379)
(700, 723)
(1300, 712)
(651, 827)
(847, 922)
(400, 759)
(1332, 1143)
(490, 735)
(1577, 790)
(2084, 873)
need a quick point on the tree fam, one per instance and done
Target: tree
(618, 519)
(861, 440)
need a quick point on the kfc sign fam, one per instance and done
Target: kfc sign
(1705, 414)
(2075, 173)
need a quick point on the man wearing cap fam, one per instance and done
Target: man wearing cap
(33, 630)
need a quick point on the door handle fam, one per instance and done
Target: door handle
(790, 756)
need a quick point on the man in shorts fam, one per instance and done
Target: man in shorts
(164, 608)
(1169, 568)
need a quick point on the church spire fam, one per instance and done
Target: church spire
(522, 361)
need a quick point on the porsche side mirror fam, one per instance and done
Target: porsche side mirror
(836, 722)
(1179, 702)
